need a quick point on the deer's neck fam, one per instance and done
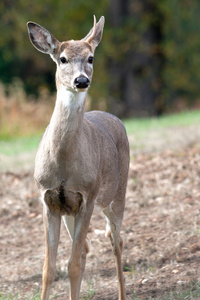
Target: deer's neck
(66, 122)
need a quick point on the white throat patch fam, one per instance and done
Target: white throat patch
(72, 100)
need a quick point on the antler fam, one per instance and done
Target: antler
(93, 32)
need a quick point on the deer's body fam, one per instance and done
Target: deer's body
(82, 160)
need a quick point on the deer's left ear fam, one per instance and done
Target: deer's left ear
(95, 34)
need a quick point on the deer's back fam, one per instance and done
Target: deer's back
(109, 125)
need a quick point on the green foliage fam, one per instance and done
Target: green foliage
(65, 19)
(148, 45)
(181, 46)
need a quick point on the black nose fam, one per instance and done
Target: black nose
(81, 82)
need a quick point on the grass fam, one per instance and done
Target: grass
(36, 296)
(142, 125)
(11, 146)
(86, 294)
(15, 146)
(191, 292)
(16, 297)
(89, 292)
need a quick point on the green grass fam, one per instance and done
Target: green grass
(86, 294)
(17, 297)
(156, 123)
(15, 146)
(190, 293)
(140, 127)
(89, 292)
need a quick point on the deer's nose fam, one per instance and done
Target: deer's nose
(81, 82)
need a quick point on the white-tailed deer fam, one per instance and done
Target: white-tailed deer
(82, 160)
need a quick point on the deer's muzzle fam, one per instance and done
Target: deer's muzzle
(81, 82)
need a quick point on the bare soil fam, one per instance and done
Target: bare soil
(161, 232)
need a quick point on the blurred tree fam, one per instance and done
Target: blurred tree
(138, 63)
(181, 46)
(66, 19)
(149, 56)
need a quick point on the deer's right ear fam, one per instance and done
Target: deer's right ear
(42, 39)
(95, 34)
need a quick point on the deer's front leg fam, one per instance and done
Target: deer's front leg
(52, 222)
(80, 248)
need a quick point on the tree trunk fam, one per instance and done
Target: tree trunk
(136, 79)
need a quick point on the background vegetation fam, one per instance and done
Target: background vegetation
(147, 64)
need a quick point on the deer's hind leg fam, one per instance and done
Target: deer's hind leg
(114, 221)
(80, 248)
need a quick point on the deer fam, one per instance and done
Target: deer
(82, 161)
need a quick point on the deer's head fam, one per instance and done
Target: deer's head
(74, 59)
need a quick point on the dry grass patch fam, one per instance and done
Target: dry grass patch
(21, 115)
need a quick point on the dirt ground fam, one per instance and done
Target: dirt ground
(161, 232)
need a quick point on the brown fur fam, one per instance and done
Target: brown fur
(82, 161)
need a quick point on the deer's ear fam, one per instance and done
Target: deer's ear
(42, 39)
(95, 34)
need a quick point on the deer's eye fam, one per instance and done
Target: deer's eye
(63, 60)
(90, 59)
